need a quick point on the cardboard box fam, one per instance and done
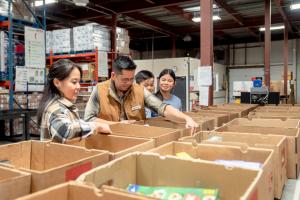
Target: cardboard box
(160, 135)
(204, 124)
(79, 191)
(275, 142)
(13, 183)
(293, 142)
(154, 170)
(51, 163)
(289, 123)
(116, 145)
(220, 119)
(213, 152)
(231, 115)
(274, 115)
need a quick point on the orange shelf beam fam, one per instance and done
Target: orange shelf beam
(4, 24)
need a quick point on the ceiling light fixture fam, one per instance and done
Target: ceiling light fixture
(198, 19)
(40, 2)
(272, 28)
(196, 8)
(81, 2)
(295, 6)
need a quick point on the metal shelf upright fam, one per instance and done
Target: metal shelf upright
(9, 23)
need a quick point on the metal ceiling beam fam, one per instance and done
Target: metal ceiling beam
(230, 24)
(235, 15)
(180, 12)
(152, 23)
(140, 6)
(282, 12)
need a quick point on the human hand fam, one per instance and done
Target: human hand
(190, 123)
(101, 127)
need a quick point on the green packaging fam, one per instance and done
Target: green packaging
(175, 193)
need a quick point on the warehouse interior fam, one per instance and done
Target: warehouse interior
(236, 78)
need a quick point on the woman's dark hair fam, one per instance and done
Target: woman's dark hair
(60, 70)
(162, 73)
(143, 75)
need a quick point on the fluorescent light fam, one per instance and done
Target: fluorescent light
(198, 19)
(40, 3)
(272, 28)
(196, 8)
(295, 6)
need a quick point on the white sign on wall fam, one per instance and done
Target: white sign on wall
(205, 75)
(29, 79)
(34, 47)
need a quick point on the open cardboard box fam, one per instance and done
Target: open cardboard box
(231, 109)
(293, 142)
(275, 142)
(220, 119)
(211, 152)
(288, 123)
(160, 135)
(204, 124)
(78, 191)
(154, 170)
(13, 183)
(116, 145)
(50, 163)
(231, 114)
(274, 115)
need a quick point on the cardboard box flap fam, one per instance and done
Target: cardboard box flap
(265, 130)
(78, 191)
(139, 130)
(215, 152)
(287, 123)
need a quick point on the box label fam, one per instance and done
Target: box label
(74, 172)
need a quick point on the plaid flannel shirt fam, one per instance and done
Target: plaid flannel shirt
(61, 121)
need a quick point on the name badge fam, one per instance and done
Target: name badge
(137, 107)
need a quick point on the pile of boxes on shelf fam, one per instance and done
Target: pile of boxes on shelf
(3, 54)
(84, 38)
(19, 10)
(34, 100)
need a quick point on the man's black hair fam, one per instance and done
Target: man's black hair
(123, 62)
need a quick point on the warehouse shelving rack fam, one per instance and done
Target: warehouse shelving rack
(7, 81)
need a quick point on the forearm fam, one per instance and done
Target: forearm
(175, 115)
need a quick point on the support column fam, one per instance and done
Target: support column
(206, 42)
(113, 35)
(267, 41)
(173, 47)
(285, 58)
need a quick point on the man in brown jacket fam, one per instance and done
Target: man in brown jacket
(120, 99)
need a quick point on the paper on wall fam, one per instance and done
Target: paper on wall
(203, 97)
(205, 75)
(102, 64)
(34, 47)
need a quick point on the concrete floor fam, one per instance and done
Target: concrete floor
(291, 190)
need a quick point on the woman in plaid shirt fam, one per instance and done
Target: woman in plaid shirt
(58, 117)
